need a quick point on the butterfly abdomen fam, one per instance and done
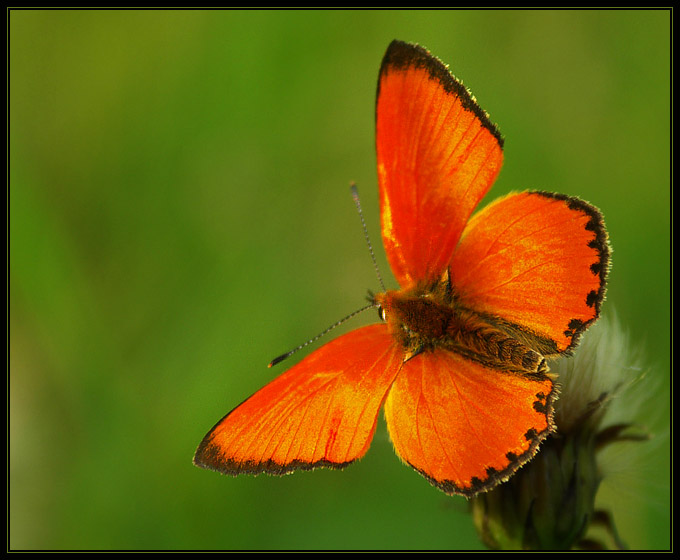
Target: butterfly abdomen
(422, 322)
(495, 348)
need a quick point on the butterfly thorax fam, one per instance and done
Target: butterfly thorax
(423, 320)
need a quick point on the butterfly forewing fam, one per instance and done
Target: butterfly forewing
(321, 412)
(438, 155)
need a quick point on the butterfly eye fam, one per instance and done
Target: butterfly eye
(381, 313)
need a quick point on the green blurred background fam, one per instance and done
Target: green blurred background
(180, 214)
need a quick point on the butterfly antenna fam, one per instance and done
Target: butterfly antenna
(355, 196)
(318, 336)
(371, 305)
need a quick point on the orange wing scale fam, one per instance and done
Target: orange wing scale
(537, 261)
(438, 155)
(463, 426)
(321, 412)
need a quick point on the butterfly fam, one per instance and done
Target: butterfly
(458, 362)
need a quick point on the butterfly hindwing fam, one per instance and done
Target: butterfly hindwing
(463, 426)
(534, 263)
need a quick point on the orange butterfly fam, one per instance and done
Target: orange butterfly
(459, 362)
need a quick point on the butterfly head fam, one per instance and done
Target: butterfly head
(416, 320)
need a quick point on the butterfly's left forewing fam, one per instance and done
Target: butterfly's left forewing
(321, 412)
